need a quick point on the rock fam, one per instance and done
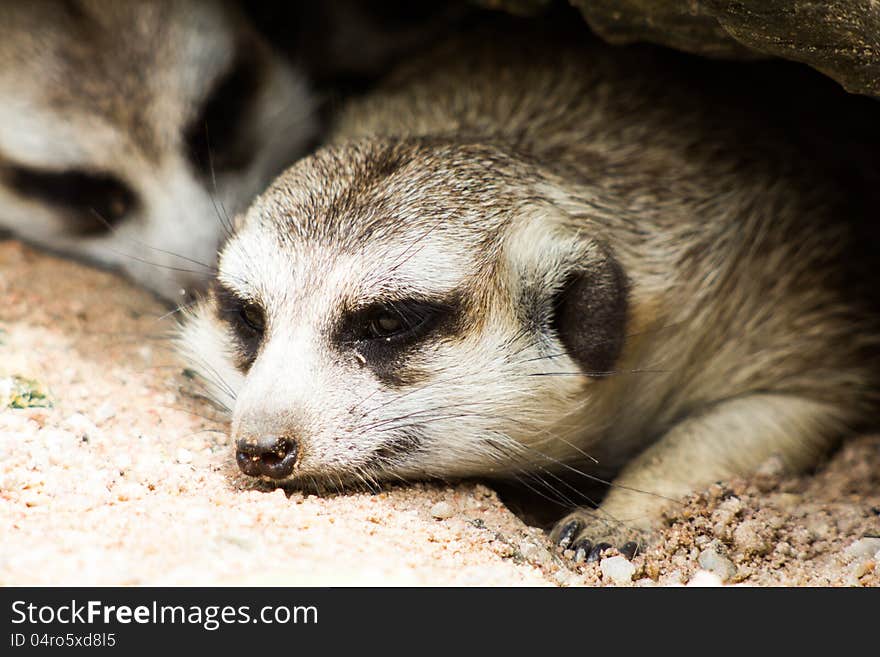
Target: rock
(442, 510)
(714, 562)
(517, 7)
(184, 456)
(863, 548)
(840, 38)
(617, 569)
(681, 24)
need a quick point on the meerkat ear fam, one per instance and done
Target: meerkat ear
(590, 313)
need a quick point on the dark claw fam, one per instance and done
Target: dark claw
(582, 549)
(597, 552)
(630, 549)
(568, 533)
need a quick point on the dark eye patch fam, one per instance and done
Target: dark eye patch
(394, 324)
(92, 202)
(383, 333)
(248, 322)
(218, 138)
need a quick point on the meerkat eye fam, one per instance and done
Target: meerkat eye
(398, 321)
(252, 315)
(385, 324)
(247, 321)
(218, 139)
(92, 202)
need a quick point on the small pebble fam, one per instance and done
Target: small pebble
(713, 562)
(789, 501)
(565, 578)
(184, 456)
(122, 461)
(772, 467)
(104, 412)
(672, 578)
(864, 547)
(617, 569)
(128, 491)
(748, 538)
(81, 425)
(442, 511)
(502, 548)
(864, 567)
(529, 550)
(535, 553)
(705, 578)
(33, 498)
(278, 496)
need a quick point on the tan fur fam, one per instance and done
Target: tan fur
(497, 170)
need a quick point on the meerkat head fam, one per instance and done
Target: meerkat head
(129, 130)
(406, 309)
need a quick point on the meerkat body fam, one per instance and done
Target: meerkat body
(128, 130)
(523, 259)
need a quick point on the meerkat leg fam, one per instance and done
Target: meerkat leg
(732, 438)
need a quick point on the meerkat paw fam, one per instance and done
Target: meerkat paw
(589, 534)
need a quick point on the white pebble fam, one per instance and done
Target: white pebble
(59, 445)
(863, 568)
(864, 547)
(565, 578)
(674, 578)
(442, 510)
(705, 578)
(713, 562)
(122, 461)
(81, 425)
(619, 570)
(104, 412)
(535, 554)
(184, 455)
(129, 490)
(33, 498)
(529, 550)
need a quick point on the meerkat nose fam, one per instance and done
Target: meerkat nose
(269, 455)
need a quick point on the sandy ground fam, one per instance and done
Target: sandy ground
(121, 475)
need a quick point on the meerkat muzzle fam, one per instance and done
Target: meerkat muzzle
(268, 455)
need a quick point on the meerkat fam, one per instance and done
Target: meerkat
(129, 130)
(522, 258)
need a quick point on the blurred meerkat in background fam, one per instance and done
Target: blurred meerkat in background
(131, 131)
